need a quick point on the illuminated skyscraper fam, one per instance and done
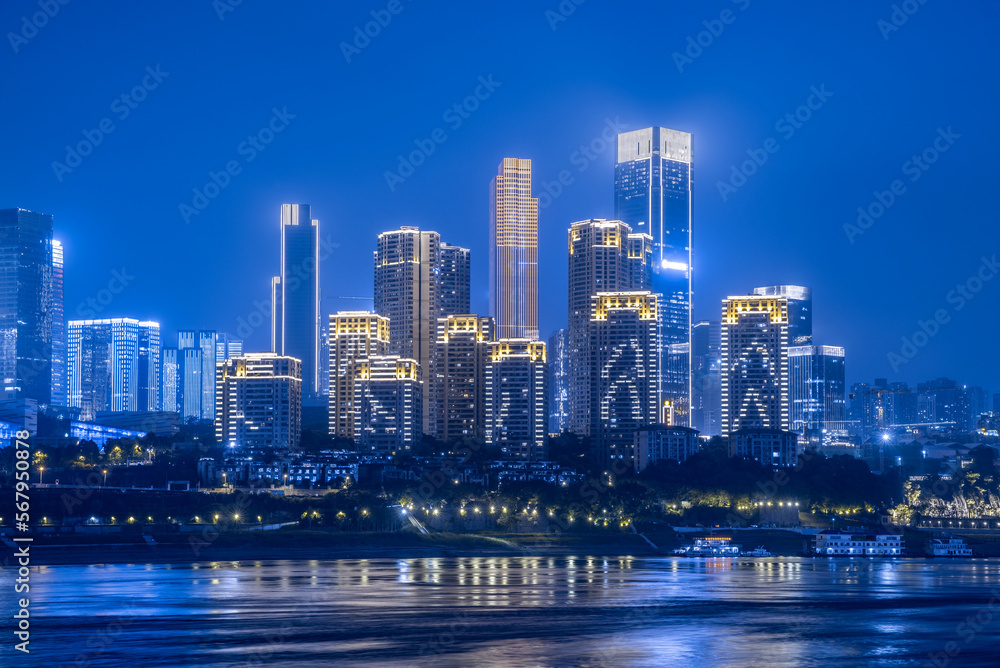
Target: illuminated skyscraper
(259, 402)
(800, 320)
(653, 195)
(114, 365)
(514, 251)
(227, 347)
(26, 309)
(516, 398)
(295, 297)
(754, 363)
(170, 380)
(207, 345)
(458, 393)
(189, 383)
(454, 280)
(559, 366)
(354, 336)
(816, 391)
(604, 256)
(58, 327)
(387, 404)
(706, 380)
(196, 369)
(624, 392)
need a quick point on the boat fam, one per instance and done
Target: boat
(760, 551)
(948, 546)
(711, 546)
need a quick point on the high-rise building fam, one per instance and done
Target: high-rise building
(26, 305)
(604, 256)
(387, 404)
(458, 394)
(455, 280)
(624, 371)
(941, 401)
(196, 359)
(516, 398)
(816, 394)
(975, 404)
(295, 297)
(407, 291)
(227, 347)
(514, 251)
(559, 366)
(207, 344)
(754, 363)
(170, 380)
(189, 383)
(58, 327)
(259, 402)
(706, 377)
(800, 320)
(114, 365)
(653, 195)
(354, 336)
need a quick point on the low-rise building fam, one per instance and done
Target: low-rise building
(657, 443)
(770, 447)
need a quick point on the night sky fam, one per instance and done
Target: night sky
(556, 85)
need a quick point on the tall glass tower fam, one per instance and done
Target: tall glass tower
(653, 195)
(514, 251)
(58, 328)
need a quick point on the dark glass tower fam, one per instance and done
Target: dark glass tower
(26, 305)
(653, 195)
(800, 320)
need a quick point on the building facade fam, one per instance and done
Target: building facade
(559, 365)
(514, 251)
(295, 297)
(817, 399)
(658, 443)
(624, 388)
(754, 363)
(604, 256)
(259, 402)
(800, 321)
(516, 398)
(706, 377)
(774, 448)
(653, 194)
(59, 380)
(458, 393)
(354, 336)
(387, 400)
(455, 280)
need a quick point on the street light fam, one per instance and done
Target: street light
(105, 472)
(41, 470)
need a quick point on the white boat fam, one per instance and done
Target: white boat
(711, 546)
(949, 546)
(760, 551)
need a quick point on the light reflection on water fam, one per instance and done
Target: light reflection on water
(513, 611)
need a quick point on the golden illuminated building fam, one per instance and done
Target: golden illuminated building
(354, 336)
(258, 401)
(388, 400)
(514, 251)
(458, 393)
(516, 397)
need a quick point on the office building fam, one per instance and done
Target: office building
(706, 377)
(941, 402)
(189, 375)
(295, 297)
(604, 256)
(774, 448)
(516, 398)
(816, 394)
(514, 251)
(170, 381)
(659, 443)
(354, 336)
(196, 360)
(387, 400)
(227, 347)
(458, 392)
(114, 365)
(559, 367)
(653, 195)
(26, 306)
(454, 279)
(624, 389)
(800, 323)
(58, 327)
(754, 363)
(259, 402)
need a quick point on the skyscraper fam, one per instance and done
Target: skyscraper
(58, 327)
(387, 403)
(454, 279)
(604, 256)
(516, 398)
(706, 377)
(207, 344)
(754, 363)
(295, 297)
(26, 306)
(114, 365)
(354, 336)
(653, 195)
(189, 382)
(259, 402)
(458, 394)
(559, 366)
(196, 367)
(800, 320)
(816, 392)
(514, 251)
(227, 347)
(624, 388)
(170, 380)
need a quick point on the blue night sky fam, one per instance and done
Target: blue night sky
(558, 89)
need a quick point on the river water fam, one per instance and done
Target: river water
(514, 611)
